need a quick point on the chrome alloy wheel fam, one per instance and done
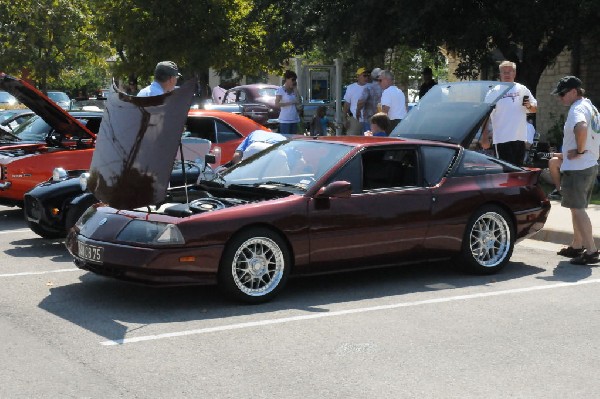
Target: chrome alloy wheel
(490, 239)
(257, 266)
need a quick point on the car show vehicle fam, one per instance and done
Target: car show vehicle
(51, 138)
(314, 205)
(255, 101)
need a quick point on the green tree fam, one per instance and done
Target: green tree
(531, 34)
(224, 34)
(50, 41)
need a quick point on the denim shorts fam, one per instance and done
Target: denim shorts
(576, 187)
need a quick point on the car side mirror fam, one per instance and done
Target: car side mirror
(336, 189)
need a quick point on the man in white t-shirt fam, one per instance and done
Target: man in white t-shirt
(579, 169)
(351, 98)
(509, 118)
(393, 101)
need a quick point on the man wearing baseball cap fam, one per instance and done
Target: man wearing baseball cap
(166, 74)
(581, 149)
(351, 98)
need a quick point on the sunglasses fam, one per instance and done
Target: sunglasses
(563, 93)
(366, 75)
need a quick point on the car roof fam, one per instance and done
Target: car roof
(242, 123)
(372, 141)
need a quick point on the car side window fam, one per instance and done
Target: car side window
(203, 128)
(437, 161)
(93, 124)
(230, 97)
(350, 172)
(242, 96)
(474, 164)
(389, 169)
(225, 132)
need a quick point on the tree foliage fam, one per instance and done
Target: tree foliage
(51, 42)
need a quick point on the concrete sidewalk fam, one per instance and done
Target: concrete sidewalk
(559, 229)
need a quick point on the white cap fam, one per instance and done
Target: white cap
(375, 73)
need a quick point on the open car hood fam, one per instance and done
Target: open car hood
(452, 112)
(136, 147)
(60, 120)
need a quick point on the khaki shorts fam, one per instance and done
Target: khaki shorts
(576, 187)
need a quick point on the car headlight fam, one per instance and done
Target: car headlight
(154, 233)
(59, 174)
(83, 179)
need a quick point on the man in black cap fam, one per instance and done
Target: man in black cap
(166, 74)
(581, 149)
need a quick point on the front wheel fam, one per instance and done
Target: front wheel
(488, 242)
(255, 266)
(44, 232)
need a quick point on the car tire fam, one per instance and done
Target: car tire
(488, 242)
(45, 233)
(254, 266)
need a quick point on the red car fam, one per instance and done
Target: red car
(53, 138)
(224, 129)
(327, 204)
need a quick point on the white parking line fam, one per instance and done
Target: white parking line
(261, 323)
(35, 273)
(14, 231)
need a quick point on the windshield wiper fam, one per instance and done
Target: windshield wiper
(4, 132)
(281, 184)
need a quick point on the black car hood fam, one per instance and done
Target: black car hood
(136, 147)
(60, 120)
(452, 112)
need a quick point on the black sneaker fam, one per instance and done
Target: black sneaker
(555, 195)
(586, 258)
(570, 252)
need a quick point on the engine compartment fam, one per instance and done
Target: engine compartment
(200, 200)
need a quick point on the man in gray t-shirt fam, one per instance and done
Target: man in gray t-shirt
(370, 98)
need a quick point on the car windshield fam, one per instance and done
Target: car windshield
(34, 129)
(294, 165)
(451, 112)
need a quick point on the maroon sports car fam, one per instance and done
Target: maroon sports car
(327, 204)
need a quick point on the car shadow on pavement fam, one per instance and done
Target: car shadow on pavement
(54, 250)
(114, 309)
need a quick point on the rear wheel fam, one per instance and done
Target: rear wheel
(255, 266)
(488, 242)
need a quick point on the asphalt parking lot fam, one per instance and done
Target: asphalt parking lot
(417, 331)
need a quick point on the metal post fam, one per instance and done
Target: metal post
(338, 96)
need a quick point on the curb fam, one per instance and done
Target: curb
(558, 237)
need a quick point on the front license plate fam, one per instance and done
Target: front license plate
(90, 253)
